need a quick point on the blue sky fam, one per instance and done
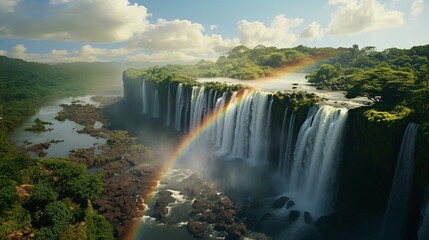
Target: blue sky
(188, 30)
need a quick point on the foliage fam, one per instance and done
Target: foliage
(7, 192)
(57, 214)
(84, 186)
(43, 193)
(389, 77)
(381, 85)
(58, 199)
(14, 218)
(373, 115)
(98, 227)
(240, 63)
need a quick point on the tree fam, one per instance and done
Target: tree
(43, 193)
(84, 186)
(7, 193)
(381, 85)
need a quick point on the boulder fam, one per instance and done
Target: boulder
(226, 203)
(294, 215)
(279, 203)
(197, 228)
(208, 217)
(307, 218)
(290, 204)
(235, 231)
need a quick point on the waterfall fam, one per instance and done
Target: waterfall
(218, 126)
(285, 156)
(259, 126)
(198, 106)
(145, 102)
(316, 157)
(397, 206)
(229, 126)
(168, 118)
(282, 141)
(155, 108)
(240, 148)
(179, 107)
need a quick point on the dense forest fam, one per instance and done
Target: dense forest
(48, 198)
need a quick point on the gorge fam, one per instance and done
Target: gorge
(326, 159)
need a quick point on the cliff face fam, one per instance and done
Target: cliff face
(370, 148)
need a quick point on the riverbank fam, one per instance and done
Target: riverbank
(131, 173)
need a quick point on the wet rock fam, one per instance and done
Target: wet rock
(307, 218)
(226, 203)
(200, 205)
(279, 203)
(235, 231)
(160, 209)
(294, 215)
(197, 229)
(290, 204)
(207, 217)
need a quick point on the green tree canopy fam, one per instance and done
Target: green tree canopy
(381, 85)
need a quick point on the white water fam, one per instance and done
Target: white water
(285, 156)
(179, 107)
(168, 118)
(198, 106)
(397, 205)
(145, 102)
(316, 158)
(228, 127)
(240, 148)
(243, 132)
(259, 129)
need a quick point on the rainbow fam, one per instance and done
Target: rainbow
(188, 140)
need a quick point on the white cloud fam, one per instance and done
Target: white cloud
(60, 1)
(20, 51)
(312, 31)
(8, 6)
(277, 34)
(181, 36)
(357, 16)
(55, 52)
(163, 56)
(3, 52)
(86, 53)
(80, 20)
(417, 8)
(213, 27)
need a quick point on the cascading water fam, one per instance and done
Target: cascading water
(198, 106)
(218, 126)
(145, 102)
(397, 206)
(259, 129)
(155, 108)
(228, 127)
(316, 158)
(240, 148)
(243, 132)
(179, 107)
(285, 156)
(168, 117)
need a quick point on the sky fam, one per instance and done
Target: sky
(190, 30)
